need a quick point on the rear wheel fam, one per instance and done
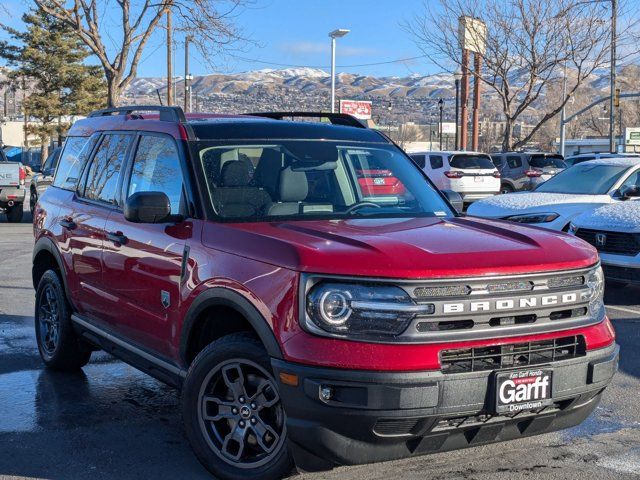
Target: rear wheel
(59, 346)
(15, 213)
(506, 188)
(33, 199)
(232, 411)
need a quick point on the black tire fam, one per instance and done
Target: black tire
(33, 199)
(209, 384)
(15, 213)
(59, 346)
(506, 188)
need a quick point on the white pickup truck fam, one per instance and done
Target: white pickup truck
(12, 191)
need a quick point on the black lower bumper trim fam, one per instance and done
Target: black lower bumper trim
(337, 417)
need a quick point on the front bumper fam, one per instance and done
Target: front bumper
(379, 416)
(621, 268)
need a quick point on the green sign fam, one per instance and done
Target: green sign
(634, 135)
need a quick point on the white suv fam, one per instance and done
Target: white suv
(471, 174)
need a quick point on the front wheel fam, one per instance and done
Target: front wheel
(232, 411)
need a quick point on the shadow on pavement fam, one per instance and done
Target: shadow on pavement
(628, 337)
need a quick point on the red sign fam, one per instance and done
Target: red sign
(358, 108)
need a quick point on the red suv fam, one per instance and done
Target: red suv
(307, 321)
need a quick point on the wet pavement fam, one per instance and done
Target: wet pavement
(112, 422)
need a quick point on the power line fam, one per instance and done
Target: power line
(276, 64)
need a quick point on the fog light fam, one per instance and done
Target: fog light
(326, 393)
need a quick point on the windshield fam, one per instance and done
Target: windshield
(306, 179)
(472, 162)
(584, 179)
(542, 161)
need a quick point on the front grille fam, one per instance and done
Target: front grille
(625, 274)
(513, 355)
(394, 427)
(619, 243)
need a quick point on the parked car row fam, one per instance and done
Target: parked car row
(596, 200)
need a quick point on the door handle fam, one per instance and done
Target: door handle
(68, 224)
(117, 237)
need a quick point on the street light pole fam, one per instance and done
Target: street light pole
(187, 76)
(563, 114)
(340, 32)
(457, 76)
(441, 105)
(612, 110)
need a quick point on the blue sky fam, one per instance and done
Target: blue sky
(295, 32)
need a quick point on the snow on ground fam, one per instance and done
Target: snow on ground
(524, 200)
(623, 216)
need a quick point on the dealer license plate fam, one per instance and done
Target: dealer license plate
(523, 390)
(479, 179)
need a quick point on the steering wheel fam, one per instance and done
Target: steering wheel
(358, 205)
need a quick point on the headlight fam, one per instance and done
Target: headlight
(533, 217)
(595, 294)
(358, 310)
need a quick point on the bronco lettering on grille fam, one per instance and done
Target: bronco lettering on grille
(510, 303)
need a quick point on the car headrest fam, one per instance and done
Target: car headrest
(235, 174)
(294, 186)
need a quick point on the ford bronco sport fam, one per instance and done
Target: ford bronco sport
(236, 257)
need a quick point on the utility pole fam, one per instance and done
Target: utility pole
(187, 76)
(612, 114)
(169, 60)
(563, 113)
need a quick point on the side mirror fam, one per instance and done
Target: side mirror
(454, 199)
(630, 192)
(148, 207)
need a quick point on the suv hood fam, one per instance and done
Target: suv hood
(402, 248)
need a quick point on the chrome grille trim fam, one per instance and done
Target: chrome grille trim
(479, 292)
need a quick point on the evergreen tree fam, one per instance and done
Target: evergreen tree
(49, 57)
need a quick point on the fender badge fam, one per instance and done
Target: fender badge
(165, 298)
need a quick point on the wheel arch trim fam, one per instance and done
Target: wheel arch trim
(221, 296)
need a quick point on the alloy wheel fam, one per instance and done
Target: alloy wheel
(240, 414)
(49, 320)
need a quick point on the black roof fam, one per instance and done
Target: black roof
(235, 128)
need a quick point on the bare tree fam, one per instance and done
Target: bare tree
(529, 43)
(210, 22)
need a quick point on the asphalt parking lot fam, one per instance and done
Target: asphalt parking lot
(113, 422)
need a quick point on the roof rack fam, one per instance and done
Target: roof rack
(167, 114)
(335, 118)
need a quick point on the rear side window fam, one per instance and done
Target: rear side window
(436, 161)
(471, 162)
(156, 168)
(514, 161)
(497, 161)
(542, 161)
(419, 160)
(104, 171)
(70, 163)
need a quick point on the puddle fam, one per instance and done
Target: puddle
(38, 400)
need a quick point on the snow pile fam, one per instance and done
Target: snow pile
(622, 217)
(525, 200)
